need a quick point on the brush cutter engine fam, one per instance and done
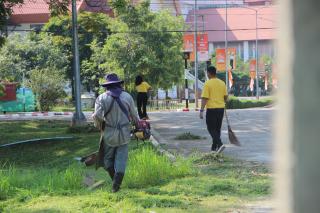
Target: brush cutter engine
(142, 131)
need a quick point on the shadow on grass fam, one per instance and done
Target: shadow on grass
(23, 130)
(48, 153)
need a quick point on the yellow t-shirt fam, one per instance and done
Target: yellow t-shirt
(214, 90)
(143, 87)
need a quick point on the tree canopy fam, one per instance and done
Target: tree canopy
(136, 41)
(57, 7)
(93, 31)
(144, 42)
(20, 55)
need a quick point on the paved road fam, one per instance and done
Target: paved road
(252, 127)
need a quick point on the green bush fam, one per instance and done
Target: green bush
(48, 86)
(235, 103)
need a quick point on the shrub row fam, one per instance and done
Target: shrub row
(235, 103)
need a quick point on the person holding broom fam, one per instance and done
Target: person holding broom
(114, 111)
(214, 97)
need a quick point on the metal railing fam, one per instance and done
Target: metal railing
(164, 104)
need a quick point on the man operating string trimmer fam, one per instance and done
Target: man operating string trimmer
(114, 121)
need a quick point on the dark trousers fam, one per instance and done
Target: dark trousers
(142, 100)
(214, 119)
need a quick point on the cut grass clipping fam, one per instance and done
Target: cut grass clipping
(188, 136)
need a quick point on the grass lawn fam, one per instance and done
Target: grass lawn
(43, 177)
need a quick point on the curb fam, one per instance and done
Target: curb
(155, 135)
(189, 110)
(37, 114)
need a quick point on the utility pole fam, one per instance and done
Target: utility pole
(257, 58)
(78, 116)
(186, 90)
(196, 53)
(226, 45)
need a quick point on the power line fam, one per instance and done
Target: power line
(103, 4)
(137, 32)
(208, 14)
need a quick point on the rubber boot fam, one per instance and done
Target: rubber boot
(111, 172)
(118, 177)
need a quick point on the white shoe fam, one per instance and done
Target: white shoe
(221, 149)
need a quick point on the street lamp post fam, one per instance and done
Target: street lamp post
(196, 52)
(186, 56)
(78, 116)
(226, 43)
(257, 79)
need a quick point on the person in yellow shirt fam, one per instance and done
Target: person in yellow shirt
(142, 88)
(214, 96)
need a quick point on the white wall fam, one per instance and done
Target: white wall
(22, 29)
(18, 29)
(172, 93)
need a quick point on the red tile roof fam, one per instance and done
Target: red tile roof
(30, 12)
(37, 11)
(241, 23)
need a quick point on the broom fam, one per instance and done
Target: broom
(232, 137)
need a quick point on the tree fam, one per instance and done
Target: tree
(93, 31)
(144, 42)
(21, 55)
(47, 84)
(91, 71)
(57, 7)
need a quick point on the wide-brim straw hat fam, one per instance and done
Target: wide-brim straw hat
(111, 79)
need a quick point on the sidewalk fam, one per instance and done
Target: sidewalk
(252, 127)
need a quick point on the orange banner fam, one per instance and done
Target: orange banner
(220, 59)
(202, 46)
(232, 53)
(188, 45)
(202, 42)
(252, 74)
(188, 42)
(252, 65)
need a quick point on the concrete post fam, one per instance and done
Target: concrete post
(297, 123)
(78, 117)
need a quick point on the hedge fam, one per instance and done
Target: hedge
(235, 103)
